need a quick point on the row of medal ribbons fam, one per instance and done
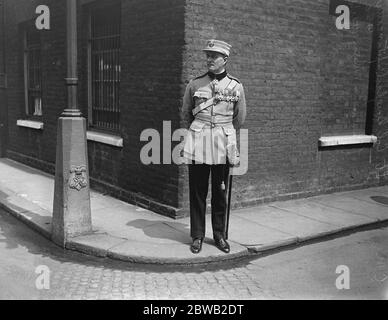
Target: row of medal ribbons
(227, 95)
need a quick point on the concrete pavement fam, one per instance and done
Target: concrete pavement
(130, 233)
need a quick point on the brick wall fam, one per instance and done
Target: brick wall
(303, 79)
(35, 143)
(380, 124)
(152, 37)
(152, 41)
(3, 108)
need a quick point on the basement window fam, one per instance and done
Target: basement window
(33, 73)
(104, 67)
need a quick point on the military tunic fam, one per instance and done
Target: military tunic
(212, 130)
(219, 109)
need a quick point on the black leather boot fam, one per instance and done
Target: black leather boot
(196, 246)
(222, 245)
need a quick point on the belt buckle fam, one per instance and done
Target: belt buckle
(212, 122)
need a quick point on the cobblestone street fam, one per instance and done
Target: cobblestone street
(77, 281)
(300, 273)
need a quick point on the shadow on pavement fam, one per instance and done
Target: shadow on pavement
(174, 231)
(15, 234)
(380, 199)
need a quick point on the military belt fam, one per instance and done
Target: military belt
(215, 120)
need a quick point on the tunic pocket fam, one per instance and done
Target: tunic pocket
(197, 126)
(232, 153)
(202, 94)
(229, 130)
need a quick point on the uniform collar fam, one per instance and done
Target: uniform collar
(218, 76)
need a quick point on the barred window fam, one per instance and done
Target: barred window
(33, 72)
(104, 68)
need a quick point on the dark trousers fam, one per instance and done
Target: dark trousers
(199, 184)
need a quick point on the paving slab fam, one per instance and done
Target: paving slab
(250, 233)
(286, 222)
(145, 252)
(99, 201)
(380, 200)
(96, 244)
(381, 189)
(375, 212)
(20, 204)
(245, 232)
(18, 170)
(323, 213)
(127, 212)
(367, 195)
(125, 221)
(31, 183)
(31, 214)
(152, 232)
(130, 233)
(163, 233)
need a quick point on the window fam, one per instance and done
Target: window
(104, 68)
(33, 72)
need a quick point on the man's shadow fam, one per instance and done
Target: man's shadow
(158, 229)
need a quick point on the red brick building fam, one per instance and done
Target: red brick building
(305, 81)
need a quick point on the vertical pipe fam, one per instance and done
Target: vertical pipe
(90, 61)
(71, 41)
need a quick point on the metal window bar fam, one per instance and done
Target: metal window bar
(105, 68)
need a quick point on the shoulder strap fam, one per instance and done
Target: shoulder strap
(232, 85)
(234, 78)
(203, 106)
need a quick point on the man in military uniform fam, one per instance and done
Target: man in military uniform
(214, 106)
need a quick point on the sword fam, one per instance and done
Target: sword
(227, 213)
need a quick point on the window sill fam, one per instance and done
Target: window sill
(105, 138)
(38, 125)
(346, 140)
